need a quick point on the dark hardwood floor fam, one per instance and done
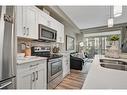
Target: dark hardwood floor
(74, 80)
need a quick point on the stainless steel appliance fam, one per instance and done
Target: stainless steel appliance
(55, 72)
(54, 66)
(46, 33)
(7, 48)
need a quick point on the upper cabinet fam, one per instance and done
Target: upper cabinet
(50, 22)
(46, 20)
(28, 18)
(26, 22)
(60, 32)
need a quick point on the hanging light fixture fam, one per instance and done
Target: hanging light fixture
(110, 20)
(117, 11)
(81, 44)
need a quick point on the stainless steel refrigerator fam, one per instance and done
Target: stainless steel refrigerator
(7, 48)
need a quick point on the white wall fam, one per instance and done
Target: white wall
(69, 31)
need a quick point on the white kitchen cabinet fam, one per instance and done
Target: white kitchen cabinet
(42, 18)
(41, 73)
(19, 21)
(50, 22)
(32, 75)
(46, 20)
(26, 22)
(66, 64)
(24, 80)
(60, 32)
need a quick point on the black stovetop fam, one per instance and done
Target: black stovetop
(49, 56)
(52, 56)
(43, 52)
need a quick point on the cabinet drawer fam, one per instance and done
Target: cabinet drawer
(29, 66)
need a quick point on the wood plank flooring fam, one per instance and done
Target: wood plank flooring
(74, 80)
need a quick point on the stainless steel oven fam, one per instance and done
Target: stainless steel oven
(54, 67)
(54, 72)
(46, 33)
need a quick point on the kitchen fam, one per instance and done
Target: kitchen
(36, 55)
(85, 24)
(39, 38)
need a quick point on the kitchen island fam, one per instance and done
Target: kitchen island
(105, 78)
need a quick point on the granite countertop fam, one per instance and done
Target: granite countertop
(104, 78)
(29, 59)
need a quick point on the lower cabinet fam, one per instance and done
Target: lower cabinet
(32, 75)
(41, 82)
(66, 64)
(24, 80)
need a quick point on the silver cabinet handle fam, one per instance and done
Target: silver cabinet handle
(27, 31)
(37, 75)
(7, 84)
(24, 28)
(33, 77)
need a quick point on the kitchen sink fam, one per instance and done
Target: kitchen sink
(114, 64)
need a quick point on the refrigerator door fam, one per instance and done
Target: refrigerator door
(7, 44)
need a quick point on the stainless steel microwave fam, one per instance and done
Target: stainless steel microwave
(47, 34)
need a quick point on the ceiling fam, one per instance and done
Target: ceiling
(92, 16)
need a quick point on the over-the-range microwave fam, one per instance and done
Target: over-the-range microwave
(47, 34)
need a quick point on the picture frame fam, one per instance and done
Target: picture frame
(69, 43)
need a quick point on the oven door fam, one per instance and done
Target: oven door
(54, 68)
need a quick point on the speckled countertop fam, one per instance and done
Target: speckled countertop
(29, 59)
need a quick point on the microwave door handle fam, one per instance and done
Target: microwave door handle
(54, 36)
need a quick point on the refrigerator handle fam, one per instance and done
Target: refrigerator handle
(4, 85)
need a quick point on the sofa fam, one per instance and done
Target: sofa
(76, 62)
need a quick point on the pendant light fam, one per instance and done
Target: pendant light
(117, 11)
(110, 20)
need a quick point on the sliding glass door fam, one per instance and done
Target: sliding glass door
(97, 45)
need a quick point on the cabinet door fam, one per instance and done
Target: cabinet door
(64, 66)
(42, 19)
(24, 80)
(26, 76)
(68, 63)
(52, 23)
(41, 77)
(40, 81)
(19, 22)
(31, 27)
(60, 32)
